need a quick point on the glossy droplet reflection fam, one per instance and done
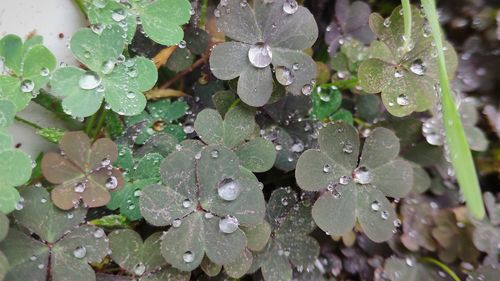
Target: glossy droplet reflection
(284, 76)
(290, 7)
(403, 100)
(418, 67)
(89, 80)
(260, 55)
(139, 269)
(108, 66)
(228, 224)
(27, 86)
(80, 252)
(362, 175)
(229, 189)
(188, 257)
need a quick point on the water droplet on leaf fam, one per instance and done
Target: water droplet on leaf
(228, 224)
(89, 80)
(260, 55)
(80, 252)
(229, 189)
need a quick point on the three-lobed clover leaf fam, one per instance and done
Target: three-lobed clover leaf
(326, 104)
(159, 20)
(27, 67)
(63, 245)
(159, 117)
(205, 196)
(269, 33)
(15, 170)
(355, 187)
(142, 259)
(409, 270)
(146, 172)
(82, 171)
(289, 246)
(404, 70)
(350, 21)
(236, 132)
(109, 75)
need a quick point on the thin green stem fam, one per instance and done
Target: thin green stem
(29, 123)
(100, 123)
(441, 265)
(203, 13)
(458, 147)
(90, 124)
(81, 6)
(407, 22)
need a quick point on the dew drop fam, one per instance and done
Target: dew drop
(97, 28)
(214, 154)
(105, 162)
(348, 148)
(44, 72)
(228, 224)
(111, 183)
(284, 76)
(99, 3)
(80, 252)
(182, 44)
(384, 215)
(260, 55)
(307, 89)
(89, 80)
(108, 66)
(297, 147)
(188, 257)
(295, 66)
(139, 269)
(176, 223)
(327, 168)
(187, 203)
(80, 187)
(418, 67)
(118, 15)
(362, 175)
(99, 233)
(403, 100)
(375, 206)
(290, 7)
(344, 180)
(27, 86)
(229, 189)
(130, 95)
(398, 73)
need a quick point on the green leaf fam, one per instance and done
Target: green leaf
(53, 135)
(257, 155)
(399, 270)
(15, 170)
(326, 101)
(7, 113)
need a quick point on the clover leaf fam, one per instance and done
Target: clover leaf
(350, 21)
(238, 126)
(205, 196)
(409, 270)
(289, 246)
(195, 43)
(4, 229)
(405, 70)
(488, 272)
(326, 102)
(64, 244)
(271, 33)
(417, 214)
(159, 117)
(146, 172)
(487, 232)
(433, 128)
(15, 170)
(28, 68)
(355, 187)
(109, 75)
(160, 20)
(7, 113)
(142, 259)
(83, 171)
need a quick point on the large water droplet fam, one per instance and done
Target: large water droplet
(187, 203)
(80, 252)
(108, 66)
(290, 7)
(284, 76)
(260, 55)
(418, 67)
(111, 183)
(188, 257)
(228, 224)
(89, 80)
(307, 89)
(27, 86)
(362, 175)
(139, 269)
(375, 206)
(229, 189)
(118, 15)
(99, 233)
(79, 187)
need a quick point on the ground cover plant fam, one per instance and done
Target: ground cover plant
(269, 140)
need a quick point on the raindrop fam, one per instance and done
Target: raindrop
(27, 86)
(243, 3)
(187, 203)
(295, 66)
(375, 206)
(307, 89)
(111, 182)
(228, 224)
(398, 73)
(80, 252)
(188, 257)
(260, 55)
(89, 80)
(387, 22)
(327, 168)
(209, 216)
(79, 187)
(344, 180)
(182, 44)
(118, 15)
(229, 189)
(33, 258)
(409, 261)
(176, 223)
(97, 28)
(214, 154)
(290, 7)
(41, 266)
(188, 129)
(108, 66)
(297, 147)
(362, 175)
(403, 100)
(418, 67)
(348, 148)
(284, 76)
(105, 162)
(139, 269)
(217, 13)
(278, 147)
(138, 193)
(284, 201)
(130, 95)
(98, 233)
(384, 215)
(44, 72)
(99, 3)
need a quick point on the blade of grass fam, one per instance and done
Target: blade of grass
(459, 151)
(441, 265)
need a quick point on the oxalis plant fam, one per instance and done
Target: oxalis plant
(222, 140)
